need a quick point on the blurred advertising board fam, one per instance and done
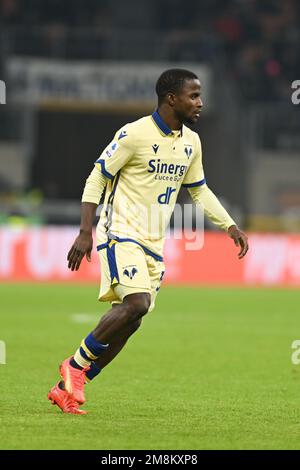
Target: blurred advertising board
(38, 81)
(39, 254)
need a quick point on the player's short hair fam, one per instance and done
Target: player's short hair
(171, 81)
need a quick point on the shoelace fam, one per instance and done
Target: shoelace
(79, 377)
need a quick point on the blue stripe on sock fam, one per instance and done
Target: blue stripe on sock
(93, 371)
(94, 346)
(84, 354)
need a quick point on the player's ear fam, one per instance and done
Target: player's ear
(171, 99)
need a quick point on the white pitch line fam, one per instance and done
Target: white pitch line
(85, 317)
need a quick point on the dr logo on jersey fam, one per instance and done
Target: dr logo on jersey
(164, 198)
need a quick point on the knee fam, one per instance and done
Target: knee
(137, 305)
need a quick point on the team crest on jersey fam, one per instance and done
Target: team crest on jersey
(188, 150)
(109, 152)
(122, 134)
(130, 271)
(155, 148)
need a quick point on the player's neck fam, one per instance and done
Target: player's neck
(172, 122)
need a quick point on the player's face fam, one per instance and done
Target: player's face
(188, 103)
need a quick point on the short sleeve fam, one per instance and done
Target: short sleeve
(117, 153)
(195, 174)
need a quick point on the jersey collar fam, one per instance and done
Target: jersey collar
(164, 129)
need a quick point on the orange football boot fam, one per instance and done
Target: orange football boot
(62, 399)
(74, 380)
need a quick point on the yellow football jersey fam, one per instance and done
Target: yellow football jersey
(146, 164)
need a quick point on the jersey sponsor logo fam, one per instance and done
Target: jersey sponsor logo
(155, 166)
(109, 152)
(164, 198)
(188, 150)
(130, 271)
(122, 134)
(155, 148)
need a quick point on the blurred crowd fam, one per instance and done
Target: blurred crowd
(263, 39)
(258, 41)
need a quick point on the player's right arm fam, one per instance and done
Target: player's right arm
(83, 244)
(112, 159)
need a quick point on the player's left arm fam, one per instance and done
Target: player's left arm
(214, 210)
(195, 182)
(240, 239)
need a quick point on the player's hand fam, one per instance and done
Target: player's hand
(81, 247)
(240, 239)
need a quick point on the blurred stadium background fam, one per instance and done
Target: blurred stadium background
(75, 71)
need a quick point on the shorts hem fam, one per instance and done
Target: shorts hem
(110, 296)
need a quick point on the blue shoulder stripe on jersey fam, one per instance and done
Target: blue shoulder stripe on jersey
(118, 239)
(103, 170)
(193, 185)
(160, 123)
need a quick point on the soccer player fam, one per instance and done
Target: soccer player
(142, 169)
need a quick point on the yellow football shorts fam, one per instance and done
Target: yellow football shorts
(126, 268)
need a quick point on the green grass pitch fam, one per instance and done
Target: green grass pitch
(210, 368)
